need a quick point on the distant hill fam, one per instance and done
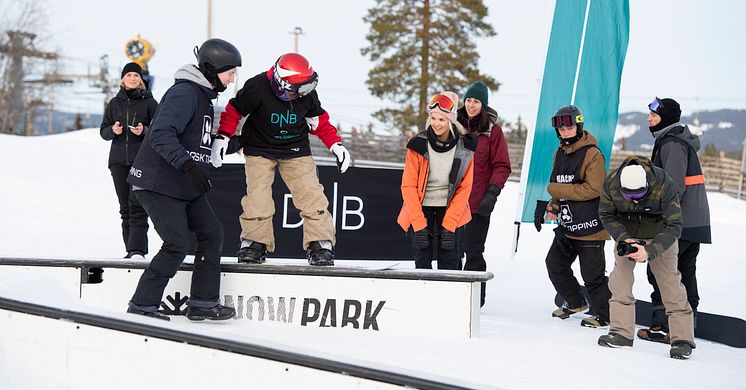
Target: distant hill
(63, 121)
(724, 128)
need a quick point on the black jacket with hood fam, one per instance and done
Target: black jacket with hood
(675, 151)
(128, 108)
(180, 131)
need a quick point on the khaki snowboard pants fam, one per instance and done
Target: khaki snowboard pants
(673, 294)
(299, 174)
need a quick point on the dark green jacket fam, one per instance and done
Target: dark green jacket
(656, 217)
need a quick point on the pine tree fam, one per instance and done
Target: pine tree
(711, 150)
(421, 47)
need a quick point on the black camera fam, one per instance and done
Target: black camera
(624, 248)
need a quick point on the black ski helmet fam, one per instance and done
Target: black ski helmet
(568, 116)
(216, 56)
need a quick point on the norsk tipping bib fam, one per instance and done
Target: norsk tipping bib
(579, 218)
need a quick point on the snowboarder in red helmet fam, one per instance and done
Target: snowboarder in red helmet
(293, 77)
(283, 108)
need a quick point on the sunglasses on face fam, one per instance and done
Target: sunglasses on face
(656, 105)
(563, 121)
(441, 101)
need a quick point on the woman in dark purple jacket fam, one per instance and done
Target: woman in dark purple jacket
(491, 171)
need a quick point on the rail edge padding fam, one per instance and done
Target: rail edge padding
(48, 347)
(392, 301)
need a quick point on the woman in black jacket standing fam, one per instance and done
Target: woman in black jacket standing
(125, 124)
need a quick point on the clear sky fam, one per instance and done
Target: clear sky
(691, 50)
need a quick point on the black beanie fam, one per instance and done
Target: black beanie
(132, 67)
(670, 113)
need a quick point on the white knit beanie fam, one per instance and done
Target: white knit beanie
(633, 178)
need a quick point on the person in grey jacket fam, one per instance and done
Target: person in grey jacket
(675, 151)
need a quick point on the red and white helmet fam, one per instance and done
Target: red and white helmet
(293, 77)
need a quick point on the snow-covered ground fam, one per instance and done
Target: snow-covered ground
(57, 200)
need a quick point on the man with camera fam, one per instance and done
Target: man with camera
(640, 209)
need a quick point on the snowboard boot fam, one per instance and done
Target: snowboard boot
(215, 313)
(135, 255)
(681, 350)
(594, 322)
(614, 340)
(655, 333)
(321, 253)
(252, 252)
(151, 314)
(566, 311)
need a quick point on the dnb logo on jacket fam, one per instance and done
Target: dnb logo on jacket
(282, 120)
(206, 141)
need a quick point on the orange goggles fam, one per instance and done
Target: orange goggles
(443, 102)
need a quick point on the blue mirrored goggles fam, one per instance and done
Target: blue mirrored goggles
(656, 105)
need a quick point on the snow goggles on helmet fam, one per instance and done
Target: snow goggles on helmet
(301, 89)
(656, 105)
(634, 195)
(566, 120)
(441, 101)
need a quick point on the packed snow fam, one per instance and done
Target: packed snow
(58, 201)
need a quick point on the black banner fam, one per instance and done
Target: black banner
(364, 203)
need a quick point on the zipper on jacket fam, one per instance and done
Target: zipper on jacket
(126, 134)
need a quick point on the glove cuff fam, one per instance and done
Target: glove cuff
(493, 188)
(188, 164)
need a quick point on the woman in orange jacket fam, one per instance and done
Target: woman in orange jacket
(436, 185)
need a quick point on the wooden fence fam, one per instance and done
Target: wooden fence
(722, 174)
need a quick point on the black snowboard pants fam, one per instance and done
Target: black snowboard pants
(687, 266)
(562, 254)
(473, 239)
(447, 259)
(134, 217)
(177, 222)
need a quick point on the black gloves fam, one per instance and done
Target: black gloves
(488, 201)
(559, 236)
(447, 239)
(200, 180)
(422, 239)
(541, 208)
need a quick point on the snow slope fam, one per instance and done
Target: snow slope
(57, 200)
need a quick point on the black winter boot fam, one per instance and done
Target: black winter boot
(252, 252)
(614, 340)
(681, 350)
(151, 314)
(215, 313)
(321, 253)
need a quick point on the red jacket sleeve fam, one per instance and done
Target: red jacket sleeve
(229, 119)
(321, 128)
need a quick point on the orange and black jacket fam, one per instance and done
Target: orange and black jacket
(414, 183)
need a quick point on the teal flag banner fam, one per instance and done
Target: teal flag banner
(595, 34)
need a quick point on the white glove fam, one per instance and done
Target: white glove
(219, 146)
(343, 156)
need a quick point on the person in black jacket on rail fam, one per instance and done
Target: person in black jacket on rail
(170, 178)
(125, 123)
